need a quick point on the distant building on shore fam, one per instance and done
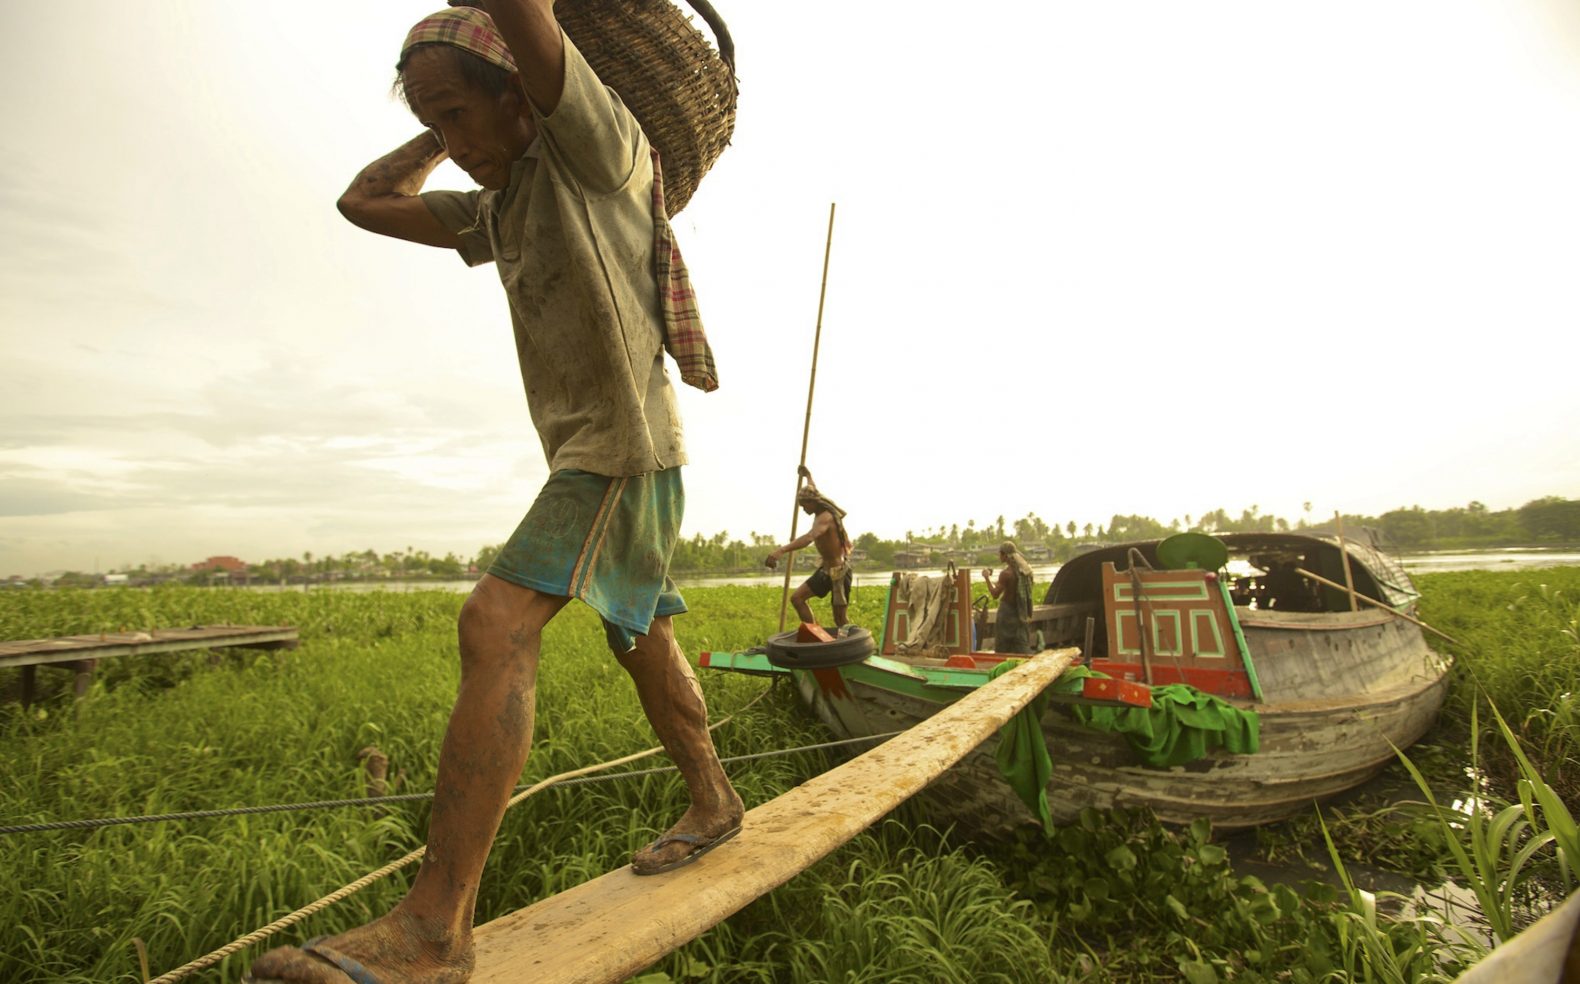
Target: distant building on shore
(230, 565)
(222, 568)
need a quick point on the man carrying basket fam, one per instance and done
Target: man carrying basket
(571, 212)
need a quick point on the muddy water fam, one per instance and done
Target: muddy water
(1397, 895)
(1485, 560)
(1489, 560)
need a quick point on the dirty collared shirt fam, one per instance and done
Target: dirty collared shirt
(572, 238)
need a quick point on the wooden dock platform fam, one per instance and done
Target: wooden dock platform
(82, 652)
(614, 926)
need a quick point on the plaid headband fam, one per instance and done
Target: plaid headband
(466, 28)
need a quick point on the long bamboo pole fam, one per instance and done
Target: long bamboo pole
(1375, 604)
(806, 426)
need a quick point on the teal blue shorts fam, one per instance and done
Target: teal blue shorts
(606, 541)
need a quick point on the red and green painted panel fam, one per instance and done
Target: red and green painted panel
(1190, 631)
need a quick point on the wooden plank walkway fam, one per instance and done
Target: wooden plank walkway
(98, 645)
(1546, 950)
(82, 652)
(616, 925)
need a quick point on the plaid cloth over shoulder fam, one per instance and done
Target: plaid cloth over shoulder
(683, 336)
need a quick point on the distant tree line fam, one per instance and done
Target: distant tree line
(362, 565)
(355, 565)
(1550, 521)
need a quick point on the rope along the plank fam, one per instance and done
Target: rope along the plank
(97, 822)
(258, 935)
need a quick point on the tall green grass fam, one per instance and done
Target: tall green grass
(1517, 859)
(1519, 647)
(1114, 897)
(179, 734)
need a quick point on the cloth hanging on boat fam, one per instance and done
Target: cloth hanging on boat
(1182, 725)
(929, 598)
(1022, 754)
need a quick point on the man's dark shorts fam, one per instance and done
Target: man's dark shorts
(820, 584)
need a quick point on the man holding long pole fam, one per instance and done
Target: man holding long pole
(571, 213)
(833, 575)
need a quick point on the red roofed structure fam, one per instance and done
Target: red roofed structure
(230, 565)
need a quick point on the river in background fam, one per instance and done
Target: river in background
(1513, 559)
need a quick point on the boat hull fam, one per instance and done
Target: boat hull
(1312, 747)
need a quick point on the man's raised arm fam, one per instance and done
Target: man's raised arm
(822, 524)
(534, 39)
(383, 198)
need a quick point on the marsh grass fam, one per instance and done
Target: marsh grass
(1516, 858)
(285, 727)
(1114, 897)
(1508, 837)
(899, 903)
(1519, 650)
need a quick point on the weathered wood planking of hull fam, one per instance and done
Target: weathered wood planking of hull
(1336, 690)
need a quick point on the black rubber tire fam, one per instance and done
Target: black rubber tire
(783, 650)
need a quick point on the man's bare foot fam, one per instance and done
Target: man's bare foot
(393, 949)
(702, 829)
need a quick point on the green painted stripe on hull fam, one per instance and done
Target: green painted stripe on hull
(937, 684)
(940, 684)
(755, 664)
(1239, 640)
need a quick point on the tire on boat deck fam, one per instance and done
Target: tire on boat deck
(785, 651)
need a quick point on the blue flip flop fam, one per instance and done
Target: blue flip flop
(700, 845)
(315, 947)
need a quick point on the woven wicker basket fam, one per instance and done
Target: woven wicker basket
(679, 89)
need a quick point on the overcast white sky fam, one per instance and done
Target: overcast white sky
(1090, 258)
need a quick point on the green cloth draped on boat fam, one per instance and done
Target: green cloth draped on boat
(1023, 751)
(1182, 725)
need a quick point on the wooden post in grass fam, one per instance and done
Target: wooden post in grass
(1344, 556)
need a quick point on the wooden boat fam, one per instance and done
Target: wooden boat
(1337, 678)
